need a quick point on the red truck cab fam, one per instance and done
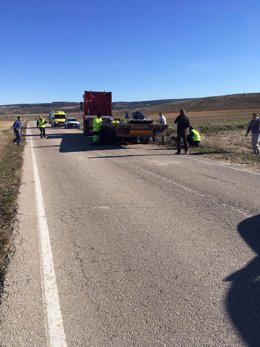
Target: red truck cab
(93, 104)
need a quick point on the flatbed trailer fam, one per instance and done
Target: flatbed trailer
(131, 130)
(142, 129)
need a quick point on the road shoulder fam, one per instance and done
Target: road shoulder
(22, 319)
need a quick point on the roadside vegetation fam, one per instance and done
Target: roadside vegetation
(11, 159)
(222, 140)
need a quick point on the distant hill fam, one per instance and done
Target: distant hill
(225, 102)
(40, 108)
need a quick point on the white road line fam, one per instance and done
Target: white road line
(193, 191)
(51, 304)
(208, 162)
(222, 165)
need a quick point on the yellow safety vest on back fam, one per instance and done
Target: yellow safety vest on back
(195, 135)
(97, 122)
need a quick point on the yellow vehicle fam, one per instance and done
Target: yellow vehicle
(57, 118)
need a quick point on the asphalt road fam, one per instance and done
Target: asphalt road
(149, 248)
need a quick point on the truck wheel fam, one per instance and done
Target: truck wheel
(145, 139)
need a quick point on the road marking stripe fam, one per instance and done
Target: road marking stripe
(51, 304)
(193, 191)
(222, 165)
(207, 162)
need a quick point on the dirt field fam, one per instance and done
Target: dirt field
(4, 125)
(212, 116)
(223, 135)
(228, 146)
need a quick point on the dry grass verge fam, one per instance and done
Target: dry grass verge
(225, 142)
(11, 159)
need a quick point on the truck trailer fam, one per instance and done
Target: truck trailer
(130, 130)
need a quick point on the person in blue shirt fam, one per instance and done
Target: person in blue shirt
(17, 126)
(137, 115)
(254, 127)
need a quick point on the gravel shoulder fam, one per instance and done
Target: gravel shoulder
(229, 146)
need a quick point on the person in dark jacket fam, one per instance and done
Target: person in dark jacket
(183, 124)
(137, 115)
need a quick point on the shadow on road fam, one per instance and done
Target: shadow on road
(209, 152)
(74, 142)
(31, 135)
(31, 127)
(243, 299)
(78, 142)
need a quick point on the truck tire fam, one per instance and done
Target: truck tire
(145, 140)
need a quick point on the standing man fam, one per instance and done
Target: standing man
(17, 126)
(183, 124)
(254, 127)
(97, 124)
(41, 124)
(162, 121)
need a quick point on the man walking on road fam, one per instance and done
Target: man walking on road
(17, 126)
(41, 124)
(183, 124)
(254, 127)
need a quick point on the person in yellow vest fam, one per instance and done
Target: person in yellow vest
(97, 124)
(41, 124)
(194, 137)
(115, 121)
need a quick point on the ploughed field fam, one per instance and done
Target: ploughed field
(223, 135)
(212, 116)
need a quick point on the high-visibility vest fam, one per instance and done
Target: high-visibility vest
(195, 135)
(115, 122)
(97, 122)
(41, 123)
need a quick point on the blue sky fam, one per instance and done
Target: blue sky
(53, 50)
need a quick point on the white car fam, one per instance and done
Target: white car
(72, 123)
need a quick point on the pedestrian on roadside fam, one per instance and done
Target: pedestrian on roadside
(17, 126)
(162, 121)
(183, 124)
(254, 127)
(41, 124)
